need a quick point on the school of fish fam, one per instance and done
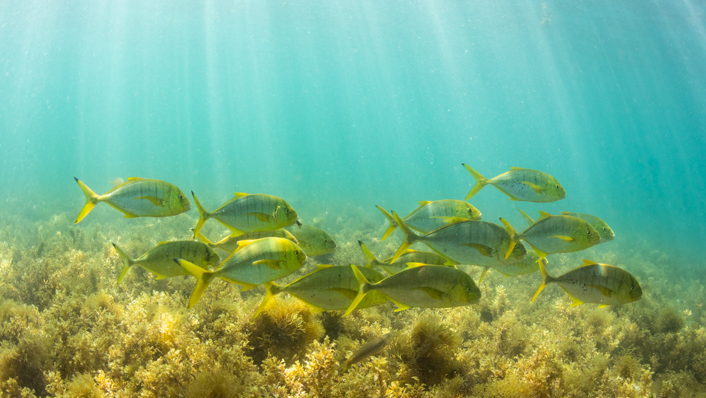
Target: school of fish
(267, 243)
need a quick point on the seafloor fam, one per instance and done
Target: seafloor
(67, 330)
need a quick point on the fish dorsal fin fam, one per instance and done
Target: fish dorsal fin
(324, 266)
(134, 178)
(516, 168)
(243, 243)
(566, 213)
(240, 194)
(424, 202)
(588, 262)
(543, 215)
(164, 242)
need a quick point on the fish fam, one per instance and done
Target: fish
(249, 213)
(430, 286)
(138, 197)
(433, 215)
(230, 243)
(409, 256)
(605, 232)
(159, 260)
(314, 241)
(555, 234)
(254, 263)
(468, 242)
(328, 288)
(521, 184)
(601, 284)
(369, 349)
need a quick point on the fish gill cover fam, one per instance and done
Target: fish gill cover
(337, 107)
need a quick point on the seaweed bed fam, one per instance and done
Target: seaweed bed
(66, 329)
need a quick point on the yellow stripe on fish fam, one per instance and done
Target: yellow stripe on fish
(138, 197)
(230, 243)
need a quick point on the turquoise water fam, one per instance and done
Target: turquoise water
(338, 104)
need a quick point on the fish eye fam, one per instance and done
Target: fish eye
(296, 252)
(181, 196)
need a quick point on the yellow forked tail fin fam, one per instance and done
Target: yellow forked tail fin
(362, 289)
(409, 237)
(91, 200)
(203, 215)
(480, 181)
(546, 278)
(370, 259)
(127, 262)
(393, 224)
(203, 278)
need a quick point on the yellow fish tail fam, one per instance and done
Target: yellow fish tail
(514, 238)
(127, 262)
(203, 215)
(393, 224)
(546, 278)
(369, 257)
(480, 181)
(92, 200)
(362, 289)
(409, 237)
(271, 290)
(203, 278)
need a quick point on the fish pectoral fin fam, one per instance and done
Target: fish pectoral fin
(273, 264)
(536, 188)
(423, 203)
(314, 308)
(350, 294)
(240, 194)
(436, 294)
(415, 265)
(588, 262)
(604, 290)
(400, 306)
(482, 249)
(449, 219)
(159, 202)
(543, 215)
(602, 306)
(158, 276)
(234, 232)
(243, 243)
(567, 239)
(263, 217)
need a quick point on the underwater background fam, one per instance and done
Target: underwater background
(337, 107)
